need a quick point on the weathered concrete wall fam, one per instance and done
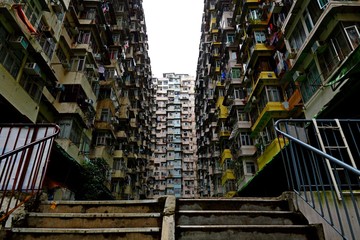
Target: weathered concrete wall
(313, 217)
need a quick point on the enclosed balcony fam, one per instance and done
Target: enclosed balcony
(270, 111)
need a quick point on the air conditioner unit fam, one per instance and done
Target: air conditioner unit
(89, 66)
(47, 31)
(318, 47)
(60, 87)
(19, 42)
(253, 99)
(56, 6)
(97, 56)
(89, 101)
(32, 69)
(66, 65)
(74, 30)
(298, 76)
(292, 54)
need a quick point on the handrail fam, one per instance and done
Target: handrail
(325, 183)
(309, 147)
(23, 168)
(7, 154)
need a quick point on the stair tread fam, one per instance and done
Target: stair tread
(243, 226)
(235, 211)
(244, 199)
(86, 215)
(86, 230)
(112, 202)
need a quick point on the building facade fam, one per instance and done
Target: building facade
(174, 136)
(83, 65)
(260, 61)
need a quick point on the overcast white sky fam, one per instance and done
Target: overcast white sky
(174, 30)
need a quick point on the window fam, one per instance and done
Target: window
(105, 115)
(323, 3)
(245, 139)
(70, 129)
(311, 84)
(32, 86)
(242, 116)
(90, 14)
(250, 167)
(235, 73)
(32, 12)
(103, 139)
(298, 37)
(308, 21)
(230, 38)
(353, 35)
(254, 15)
(85, 145)
(78, 63)
(11, 60)
(229, 22)
(273, 94)
(48, 46)
(260, 37)
(237, 93)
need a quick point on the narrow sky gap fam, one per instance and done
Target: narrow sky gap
(174, 30)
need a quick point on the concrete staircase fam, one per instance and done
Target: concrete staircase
(70, 220)
(166, 218)
(242, 218)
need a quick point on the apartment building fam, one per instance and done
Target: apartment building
(83, 65)
(174, 150)
(260, 61)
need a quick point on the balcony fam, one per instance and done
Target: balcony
(118, 154)
(121, 135)
(270, 152)
(259, 49)
(271, 110)
(118, 174)
(227, 175)
(226, 154)
(264, 78)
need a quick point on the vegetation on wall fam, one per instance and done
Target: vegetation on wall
(95, 175)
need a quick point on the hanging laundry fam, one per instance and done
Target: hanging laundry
(20, 12)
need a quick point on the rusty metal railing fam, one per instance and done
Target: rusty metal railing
(24, 155)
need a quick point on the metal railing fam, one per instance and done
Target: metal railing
(319, 160)
(24, 155)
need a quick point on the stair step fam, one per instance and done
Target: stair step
(143, 233)
(249, 232)
(87, 230)
(93, 220)
(119, 206)
(208, 217)
(257, 204)
(95, 215)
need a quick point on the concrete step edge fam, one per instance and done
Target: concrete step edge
(240, 199)
(102, 203)
(92, 215)
(243, 226)
(234, 211)
(86, 230)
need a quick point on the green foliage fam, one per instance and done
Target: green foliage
(94, 178)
